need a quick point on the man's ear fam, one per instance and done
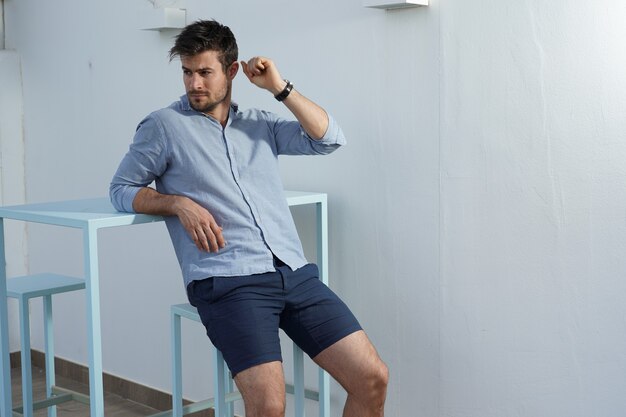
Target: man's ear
(232, 70)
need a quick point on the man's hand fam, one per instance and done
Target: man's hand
(263, 73)
(197, 221)
(200, 224)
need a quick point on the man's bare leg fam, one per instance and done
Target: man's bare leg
(355, 364)
(263, 390)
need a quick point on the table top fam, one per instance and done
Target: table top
(99, 213)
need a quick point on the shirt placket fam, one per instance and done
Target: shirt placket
(234, 168)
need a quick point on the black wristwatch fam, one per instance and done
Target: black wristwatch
(283, 94)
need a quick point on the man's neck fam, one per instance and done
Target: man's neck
(220, 113)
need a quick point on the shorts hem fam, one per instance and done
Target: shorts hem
(260, 360)
(336, 338)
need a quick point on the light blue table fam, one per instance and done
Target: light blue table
(90, 216)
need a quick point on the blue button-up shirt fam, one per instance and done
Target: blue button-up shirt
(232, 172)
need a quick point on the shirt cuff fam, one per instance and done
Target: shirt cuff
(333, 134)
(122, 197)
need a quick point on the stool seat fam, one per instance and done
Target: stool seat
(38, 285)
(186, 310)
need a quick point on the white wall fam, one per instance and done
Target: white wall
(12, 187)
(533, 169)
(477, 223)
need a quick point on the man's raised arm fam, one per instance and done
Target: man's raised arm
(263, 73)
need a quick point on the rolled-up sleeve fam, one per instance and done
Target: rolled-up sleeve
(292, 139)
(145, 161)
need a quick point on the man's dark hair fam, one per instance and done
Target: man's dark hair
(206, 35)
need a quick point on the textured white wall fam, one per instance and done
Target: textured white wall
(477, 213)
(533, 208)
(12, 188)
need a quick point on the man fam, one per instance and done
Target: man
(218, 184)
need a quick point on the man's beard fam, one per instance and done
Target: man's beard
(209, 107)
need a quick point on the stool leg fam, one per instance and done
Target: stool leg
(298, 380)
(49, 350)
(230, 408)
(177, 376)
(324, 393)
(220, 403)
(27, 376)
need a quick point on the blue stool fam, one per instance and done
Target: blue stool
(224, 395)
(23, 289)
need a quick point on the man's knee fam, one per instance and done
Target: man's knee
(267, 404)
(380, 379)
(263, 390)
(269, 407)
(373, 387)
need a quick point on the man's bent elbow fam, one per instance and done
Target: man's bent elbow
(121, 197)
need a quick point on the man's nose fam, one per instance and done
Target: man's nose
(196, 81)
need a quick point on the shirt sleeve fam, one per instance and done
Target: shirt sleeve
(144, 162)
(292, 139)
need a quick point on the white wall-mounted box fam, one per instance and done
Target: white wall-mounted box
(165, 18)
(391, 4)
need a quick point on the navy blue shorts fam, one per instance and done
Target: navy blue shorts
(242, 314)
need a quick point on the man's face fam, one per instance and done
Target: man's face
(206, 84)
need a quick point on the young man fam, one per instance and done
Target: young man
(218, 184)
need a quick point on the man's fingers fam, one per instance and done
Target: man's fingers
(259, 65)
(254, 66)
(199, 239)
(210, 238)
(219, 237)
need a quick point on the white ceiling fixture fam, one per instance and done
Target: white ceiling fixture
(391, 4)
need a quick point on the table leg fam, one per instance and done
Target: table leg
(49, 350)
(177, 368)
(322, 262)
(94, 333)
(5, 364)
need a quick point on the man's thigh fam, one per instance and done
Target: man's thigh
(262, 388)
(241, 315)
(351, 360)
(314, 316)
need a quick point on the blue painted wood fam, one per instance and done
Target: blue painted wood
(94, 332)
(219, 384)
(222, 402)
(49, 350)
(177, 373)
(27, 374)
(298, 380)
(6, 406)
(39, 285)
(23, 289)
(322, 261)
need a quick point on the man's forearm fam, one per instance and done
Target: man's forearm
(312, 117)
(150, 201)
